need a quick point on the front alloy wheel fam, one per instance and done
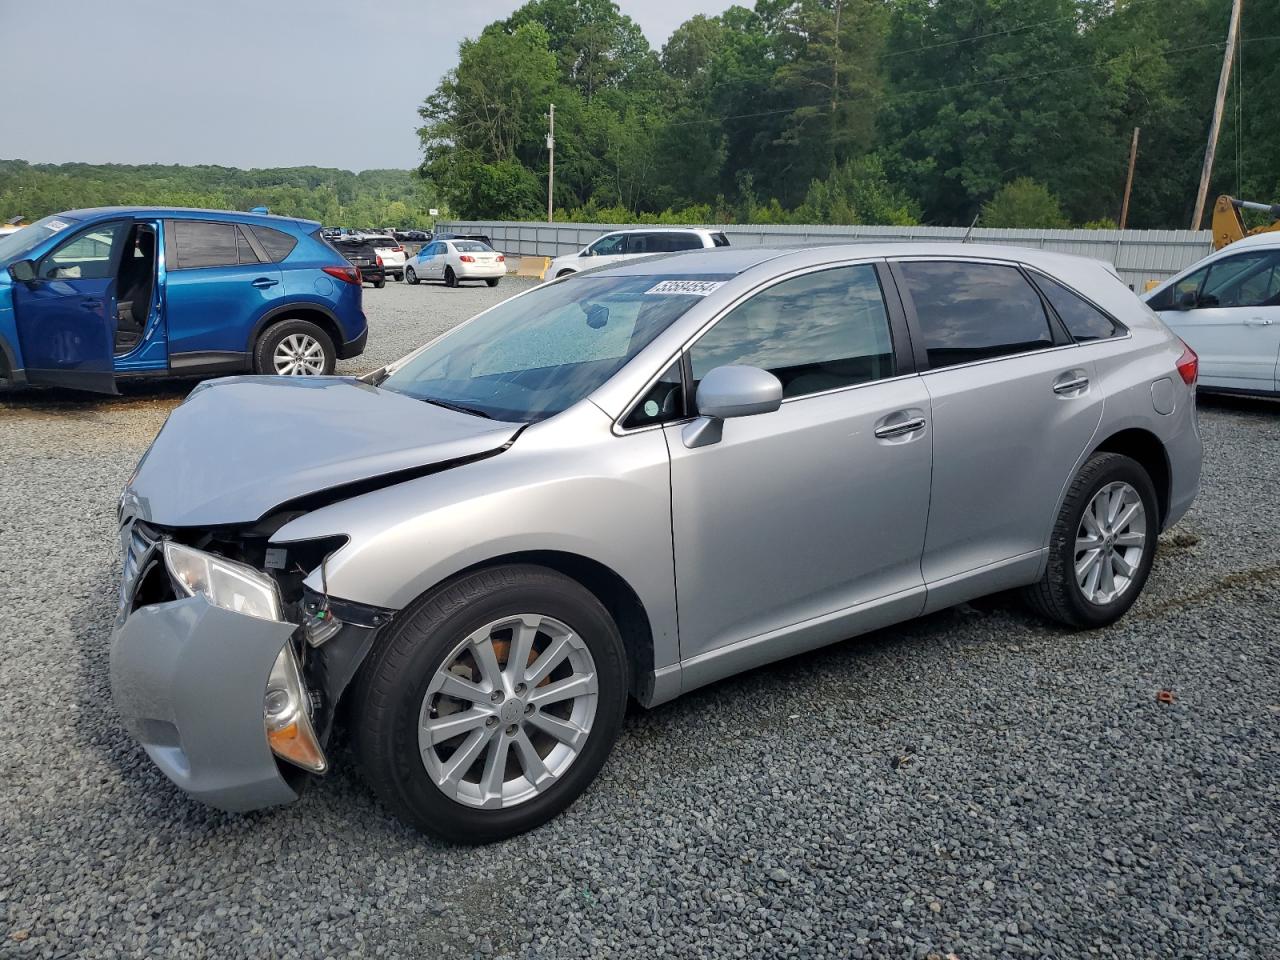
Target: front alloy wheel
(508, 711)
(490, 703)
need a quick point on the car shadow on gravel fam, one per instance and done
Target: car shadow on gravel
(59, 400)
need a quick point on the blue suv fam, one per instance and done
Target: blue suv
(91, 295)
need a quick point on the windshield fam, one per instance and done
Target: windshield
(17, 245)
(533, 356)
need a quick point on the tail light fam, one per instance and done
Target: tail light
(379, 261)
(467, 258)
(1188, 365)
(400, 249)
(501, 258)
(345, 274)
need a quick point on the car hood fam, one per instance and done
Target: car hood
(239, 447)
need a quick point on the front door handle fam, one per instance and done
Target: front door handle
(1070, 385)
(263, 282)
(900, 429)
(1259, 322)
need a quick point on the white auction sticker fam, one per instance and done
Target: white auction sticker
(55, 225)
(692, 288)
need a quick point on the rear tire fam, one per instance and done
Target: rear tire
(1086, 584)
(379, 284)
(493, 281)
(450, 278)
(410, 276)
(294, 348)
(429, 644)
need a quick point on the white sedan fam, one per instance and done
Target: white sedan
(456, 260)
(1227, 308)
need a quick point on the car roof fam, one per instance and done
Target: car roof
(657, 229)
(736, 260)
(190, 213)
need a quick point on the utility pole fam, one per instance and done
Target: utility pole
(1206, 171)
(551, 167)
(1128, 183)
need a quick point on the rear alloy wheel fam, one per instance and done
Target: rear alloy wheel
(410, 276)
(450, 278)
(1103, 544)
(295, 348)
(491, 704)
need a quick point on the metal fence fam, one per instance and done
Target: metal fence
(1138, 255)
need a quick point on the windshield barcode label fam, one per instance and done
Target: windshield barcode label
(692, 288)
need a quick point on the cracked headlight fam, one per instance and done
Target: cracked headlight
(224, 583)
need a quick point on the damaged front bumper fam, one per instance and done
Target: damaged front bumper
(235, 709)
(188, 679)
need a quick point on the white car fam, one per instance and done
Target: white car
(626, 244)
(1227, 308)
(392, 253)
(456, 260)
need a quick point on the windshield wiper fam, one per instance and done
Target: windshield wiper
(459, 407)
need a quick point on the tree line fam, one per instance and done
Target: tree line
(373, 198)
(857, 111)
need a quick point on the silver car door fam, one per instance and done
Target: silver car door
(804, 525)
(1015, 404)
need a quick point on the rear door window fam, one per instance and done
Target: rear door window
(203, 243)
(975, 311)
(682, 241)
(245, 248)
(815, 332)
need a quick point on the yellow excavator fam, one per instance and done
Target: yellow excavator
(1228, 225)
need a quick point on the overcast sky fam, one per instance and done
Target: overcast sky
(244, 83)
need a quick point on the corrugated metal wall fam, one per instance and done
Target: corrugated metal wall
(1139, 255)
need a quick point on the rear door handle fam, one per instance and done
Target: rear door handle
(1070, 385)
(1259, 322)
(263, 282)
(900, 429)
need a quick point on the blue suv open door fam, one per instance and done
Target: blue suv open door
(66, 310)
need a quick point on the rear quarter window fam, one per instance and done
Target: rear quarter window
(1082, 319)
(277, 243)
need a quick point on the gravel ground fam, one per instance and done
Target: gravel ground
(972, 783)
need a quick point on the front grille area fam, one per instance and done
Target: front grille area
(136, 540)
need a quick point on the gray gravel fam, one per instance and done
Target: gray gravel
(973, 783)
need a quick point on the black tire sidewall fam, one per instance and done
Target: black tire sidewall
(1114, 468)
(270, 338)
(450, 278)
(494, 282)
(388, 750)
(410, 275)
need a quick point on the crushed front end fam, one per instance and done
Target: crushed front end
(225, 666)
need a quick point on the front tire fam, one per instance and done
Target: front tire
(492, 703)
(295, 348)
(1103, 544)
(411, 276)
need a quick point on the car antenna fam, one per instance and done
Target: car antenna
(968, 233)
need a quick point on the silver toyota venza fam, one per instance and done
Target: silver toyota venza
(630, 483)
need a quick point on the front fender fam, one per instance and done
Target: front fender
(567, 485)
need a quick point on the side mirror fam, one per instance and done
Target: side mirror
(727, 392)
(1188, 300)
(23, 270)
(586, 252)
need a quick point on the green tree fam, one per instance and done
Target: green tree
(1023, 203)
